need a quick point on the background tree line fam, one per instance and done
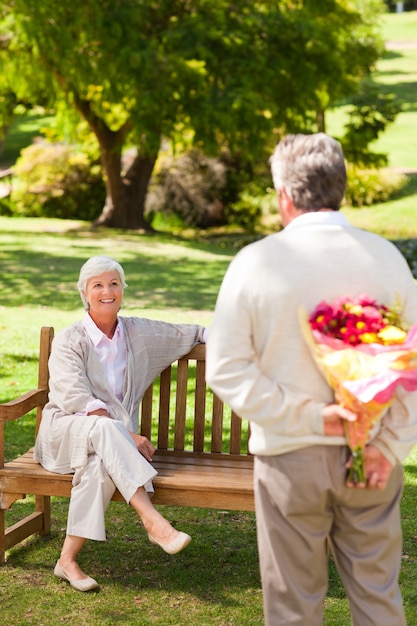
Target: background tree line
(217, 82)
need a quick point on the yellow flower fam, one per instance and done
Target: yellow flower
(392, 335)
(369, 338)
(355, 309)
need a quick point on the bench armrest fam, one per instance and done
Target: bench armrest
(23, 404)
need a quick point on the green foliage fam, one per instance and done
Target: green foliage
(370, 186)
(408, 248)
(55, 180)
(246, 211)
(255, 200)
(231, 76)
(372, 112)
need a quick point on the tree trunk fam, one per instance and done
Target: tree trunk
(4, 130)
(125, 195)
(321, 121)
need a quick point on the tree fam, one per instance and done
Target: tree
(208, 72)
(8, 99)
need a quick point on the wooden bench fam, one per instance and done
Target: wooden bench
(202, 458)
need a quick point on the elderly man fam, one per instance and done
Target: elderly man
(259, 363)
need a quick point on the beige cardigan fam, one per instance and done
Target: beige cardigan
(77, 377)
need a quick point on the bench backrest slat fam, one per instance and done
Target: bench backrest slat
(200, 406)
(181, 405)
(146, 412)
(235, 433)
(217, 425)
(164, 409)
(47, 335)
(199, 422)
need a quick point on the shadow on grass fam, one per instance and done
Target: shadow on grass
(154, 280)
(409, 189)
(214, 581)
(8, 361)
(219, 568)
(218, 572)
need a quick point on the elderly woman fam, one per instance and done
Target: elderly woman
(99, 369)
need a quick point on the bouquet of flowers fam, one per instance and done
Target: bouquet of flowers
(364, 352)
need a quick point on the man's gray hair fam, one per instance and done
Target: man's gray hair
(95, 266)
(311, 169)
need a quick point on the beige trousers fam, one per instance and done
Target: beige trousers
(301, 501)
(113, 462)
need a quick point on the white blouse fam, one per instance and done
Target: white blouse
(112, 355)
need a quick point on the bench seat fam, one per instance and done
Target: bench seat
(184, 479)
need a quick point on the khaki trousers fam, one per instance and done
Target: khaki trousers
(113, 462)
(301, 501)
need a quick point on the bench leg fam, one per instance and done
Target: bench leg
(37, 522)
(2, 537)
(43, 505)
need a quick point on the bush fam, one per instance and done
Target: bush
(255, 201)
(367, 187)
(190, 186)
(56, 180)
(408, 248)
(202, 191)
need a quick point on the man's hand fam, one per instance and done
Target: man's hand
(333, 417)
(144, 446)
(377, 469)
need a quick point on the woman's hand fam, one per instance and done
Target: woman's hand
(144, 446)
(333, 417)
(101, 412)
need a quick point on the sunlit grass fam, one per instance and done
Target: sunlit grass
(400, 26)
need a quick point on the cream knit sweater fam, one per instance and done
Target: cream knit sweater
(257, 358)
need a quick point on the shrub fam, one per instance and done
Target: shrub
(367, 187)
(56, 180)
(202, 191)
(408, 248)
(190, 186)
(254, 201)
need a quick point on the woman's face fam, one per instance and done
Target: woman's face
(104, 294)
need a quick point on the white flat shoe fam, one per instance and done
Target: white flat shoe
(85, 584)
(176, 545)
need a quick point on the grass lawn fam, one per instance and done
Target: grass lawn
(400, 26)
(23, 132)
(396, 74)
(216, 580)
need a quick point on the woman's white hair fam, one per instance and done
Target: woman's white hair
(95, 266)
